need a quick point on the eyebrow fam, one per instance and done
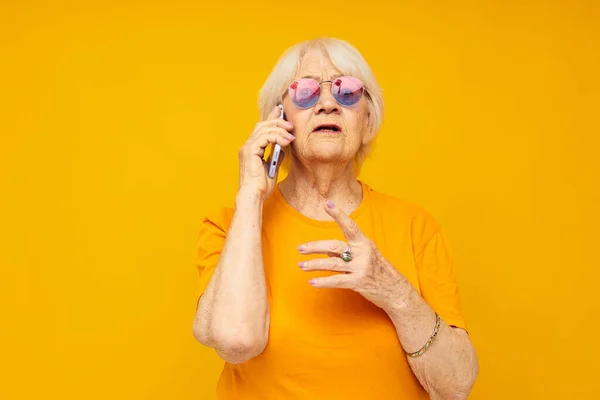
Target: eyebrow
(318, 79)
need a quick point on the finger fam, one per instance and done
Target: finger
(325, 264)
(342, 281)
(275, 112)
(279, 123)
(329, 247)
(349, 227)
(269, 131)
(276, 135)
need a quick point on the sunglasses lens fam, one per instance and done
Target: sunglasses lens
(347, 90)
(304, 92)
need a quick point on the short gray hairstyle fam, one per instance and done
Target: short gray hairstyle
(347, 59)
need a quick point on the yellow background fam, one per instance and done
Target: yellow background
(120, 124)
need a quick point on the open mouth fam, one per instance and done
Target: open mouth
(327, 128)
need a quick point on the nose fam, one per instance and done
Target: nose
(326, 103)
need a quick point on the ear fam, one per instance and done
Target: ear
(370, 135)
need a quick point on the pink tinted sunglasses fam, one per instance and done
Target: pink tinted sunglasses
(346, 90)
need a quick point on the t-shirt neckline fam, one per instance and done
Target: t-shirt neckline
(318, 223)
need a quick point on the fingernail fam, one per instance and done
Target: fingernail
(330, 204)
(292, 137)
(301, 264)
(312, 282)
(301, 247)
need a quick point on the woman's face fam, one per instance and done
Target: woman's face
(326, 146)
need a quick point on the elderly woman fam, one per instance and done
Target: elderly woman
(319, 286)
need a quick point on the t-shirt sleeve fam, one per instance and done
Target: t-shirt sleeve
(211, 239)
(437, 279)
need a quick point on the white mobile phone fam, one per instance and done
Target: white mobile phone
(274, 161)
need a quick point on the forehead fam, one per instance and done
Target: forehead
(317, 64)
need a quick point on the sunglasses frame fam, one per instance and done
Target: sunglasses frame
(363, 90)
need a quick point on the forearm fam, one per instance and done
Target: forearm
(233, 313)
(448, 369)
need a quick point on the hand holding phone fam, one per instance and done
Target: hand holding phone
(258, 174)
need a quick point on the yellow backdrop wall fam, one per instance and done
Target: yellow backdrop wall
(120, 124)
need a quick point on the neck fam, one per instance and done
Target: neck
(307, 189)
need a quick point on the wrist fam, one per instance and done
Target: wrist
(399, 298)
(247, 198)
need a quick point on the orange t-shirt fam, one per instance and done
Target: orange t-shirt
(333, 343)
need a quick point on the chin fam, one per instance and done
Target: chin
(324, 152)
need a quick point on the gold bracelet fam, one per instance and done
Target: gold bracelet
(426, 347)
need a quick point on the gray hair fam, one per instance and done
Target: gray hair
(347, 59)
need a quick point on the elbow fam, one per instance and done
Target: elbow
(239, 348)
(461, 391)
(466, 384)
(201, 328)
(462, 386)
(232, 347)
(201, 334)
